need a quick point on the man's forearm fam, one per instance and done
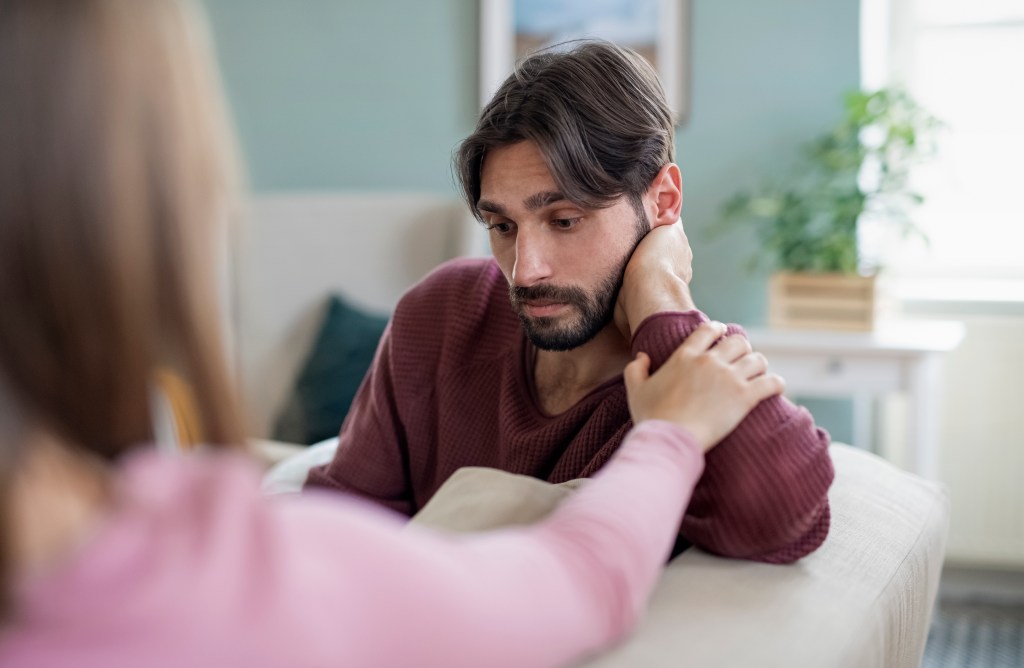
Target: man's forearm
(764, 492)
(656, 279)
(664, 294)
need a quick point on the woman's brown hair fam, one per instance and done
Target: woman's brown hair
(116, 167)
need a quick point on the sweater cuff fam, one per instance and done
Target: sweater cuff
(660, 334)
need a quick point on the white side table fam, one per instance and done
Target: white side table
(899, 356)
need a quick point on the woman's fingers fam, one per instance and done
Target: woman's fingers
(767, 385)
(702, 338)
(751, 365)
(636, 372)
(707, 386)
(732, 348)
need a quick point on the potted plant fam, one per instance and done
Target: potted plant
(808, 227)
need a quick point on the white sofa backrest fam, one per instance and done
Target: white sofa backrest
(295, 249)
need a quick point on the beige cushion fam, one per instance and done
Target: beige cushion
(863, 599)
(477, 499)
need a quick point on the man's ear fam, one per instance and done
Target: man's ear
(665, 196)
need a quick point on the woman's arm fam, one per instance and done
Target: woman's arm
(534, 596)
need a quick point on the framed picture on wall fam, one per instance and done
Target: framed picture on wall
(657, 29)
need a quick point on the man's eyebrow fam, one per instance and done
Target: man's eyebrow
(491, 207)
(532, 203)
(542, 199)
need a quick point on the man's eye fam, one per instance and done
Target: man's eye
(565, 223)
(500, 228)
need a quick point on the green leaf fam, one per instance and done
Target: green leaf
(810, 222)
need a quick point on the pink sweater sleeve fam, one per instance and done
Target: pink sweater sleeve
(194, 568)
(534, 596)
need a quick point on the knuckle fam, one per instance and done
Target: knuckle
(688, 351)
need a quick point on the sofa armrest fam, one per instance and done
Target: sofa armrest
(864, 598)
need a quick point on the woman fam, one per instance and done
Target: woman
(115, 176)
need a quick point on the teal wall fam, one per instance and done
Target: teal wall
(358, 95)
(349, 94)
(767, 76)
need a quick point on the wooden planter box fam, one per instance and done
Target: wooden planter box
(821, 301)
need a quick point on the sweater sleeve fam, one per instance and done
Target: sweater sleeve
(764, 493)
(371, 459)
(541, 595)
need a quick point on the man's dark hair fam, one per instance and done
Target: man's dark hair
(598, 114)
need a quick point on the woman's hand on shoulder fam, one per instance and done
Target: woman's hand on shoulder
(705, 388)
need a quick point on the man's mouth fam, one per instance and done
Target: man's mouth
(541, 308)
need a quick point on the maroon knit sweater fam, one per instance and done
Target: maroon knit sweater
(452, 386)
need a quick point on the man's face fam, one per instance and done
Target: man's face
(564, 264)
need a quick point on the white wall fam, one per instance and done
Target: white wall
(981, 443)
(296, 249)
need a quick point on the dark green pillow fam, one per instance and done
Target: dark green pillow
(328, 381)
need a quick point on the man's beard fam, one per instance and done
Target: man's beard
(595, 310)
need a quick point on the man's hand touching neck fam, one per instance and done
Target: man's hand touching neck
(656, 280)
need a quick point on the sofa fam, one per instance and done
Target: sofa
(863, 599)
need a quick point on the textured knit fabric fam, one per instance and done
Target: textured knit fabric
(452, 385)
(193, 568)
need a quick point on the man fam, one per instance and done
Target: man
(571, 170)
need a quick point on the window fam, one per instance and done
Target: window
(964, 62)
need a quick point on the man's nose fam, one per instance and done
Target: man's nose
(532, 264)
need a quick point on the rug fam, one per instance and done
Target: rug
(975, 635)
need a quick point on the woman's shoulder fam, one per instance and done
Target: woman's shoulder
(192, 556)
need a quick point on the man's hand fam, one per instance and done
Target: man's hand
(656, 279)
